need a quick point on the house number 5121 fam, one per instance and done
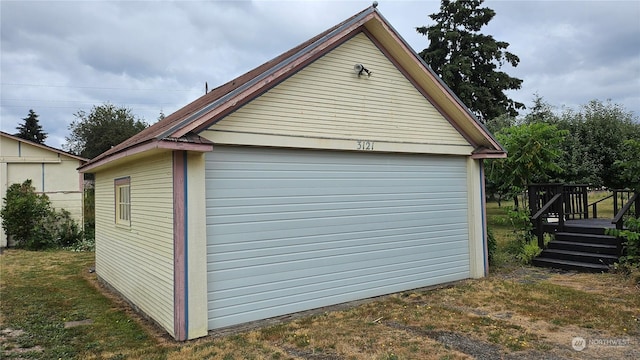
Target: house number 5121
(364, 145)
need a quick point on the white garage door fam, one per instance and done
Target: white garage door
(291, 230)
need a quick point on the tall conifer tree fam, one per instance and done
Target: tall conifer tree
(31, 129)
(468, 61)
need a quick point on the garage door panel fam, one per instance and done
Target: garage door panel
(358, 193)
(308, 227)
(322, 202)
(327, 277)
(290, 230)
(302, 301)
(301, 260)
(275, 238)
(291, 246)
(257, 214)
(279, 275)
(224, 201)
(296, 252)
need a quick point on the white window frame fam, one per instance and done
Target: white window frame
(122, 195)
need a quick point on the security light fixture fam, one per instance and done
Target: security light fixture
(359, 69)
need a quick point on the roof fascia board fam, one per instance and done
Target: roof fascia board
(438, 81)
(496, 155)
(152, 145)
(271, 77)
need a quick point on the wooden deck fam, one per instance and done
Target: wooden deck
(580, 240)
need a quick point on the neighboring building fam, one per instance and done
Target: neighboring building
(52, 171)
(298, 185)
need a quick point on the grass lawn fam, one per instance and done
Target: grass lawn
(516, 312)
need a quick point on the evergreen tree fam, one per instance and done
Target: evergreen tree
(31, 129)
(467, 61)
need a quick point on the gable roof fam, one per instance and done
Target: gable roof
(182, 126)
(42, 146)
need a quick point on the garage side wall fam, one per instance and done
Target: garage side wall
(137, 260)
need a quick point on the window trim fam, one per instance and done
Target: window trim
(122, 206)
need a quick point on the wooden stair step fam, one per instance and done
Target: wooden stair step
(580, 256)
(583, 247)
(569, 265)
(584, 230)
(587, 238)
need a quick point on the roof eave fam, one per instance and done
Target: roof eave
(489, 154)
(163, 144)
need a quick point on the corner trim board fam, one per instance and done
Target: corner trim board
(179, 246)
(483, 210)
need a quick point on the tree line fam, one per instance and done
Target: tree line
(595, 145)
(583, 146)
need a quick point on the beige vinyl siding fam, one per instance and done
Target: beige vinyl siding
(61, 183)
(328, 100)
(17, 173)
(51, 173)
(69, 201)
(138, 260)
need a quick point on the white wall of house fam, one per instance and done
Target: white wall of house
(52, 173)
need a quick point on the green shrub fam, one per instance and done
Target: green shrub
(22, 213)
(520, 220)
(492, 246)
(89, 214)
(87, 243)
(62, 228)
(529, 252)
(631, 243)
(33, 224)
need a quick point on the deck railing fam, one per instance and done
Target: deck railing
(552, 204)
(633, 200)
(543, 214)
(574, 199)
(620, 196)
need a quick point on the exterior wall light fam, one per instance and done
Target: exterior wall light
(359, 69)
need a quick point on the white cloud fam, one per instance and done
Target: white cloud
(60, 57)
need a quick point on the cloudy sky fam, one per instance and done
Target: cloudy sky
(60, 57)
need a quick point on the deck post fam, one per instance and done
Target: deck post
(561, 209)
(533, 199)
(585, 201)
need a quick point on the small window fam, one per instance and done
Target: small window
(123, 201)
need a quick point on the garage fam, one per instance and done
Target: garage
(303, 183)
(291, 230)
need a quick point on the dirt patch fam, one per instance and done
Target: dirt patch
(71, 324)
(311, 355)
(477, 348)
(9, 343)
(564, 341)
